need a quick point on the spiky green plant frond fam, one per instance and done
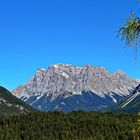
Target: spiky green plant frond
(130, 32)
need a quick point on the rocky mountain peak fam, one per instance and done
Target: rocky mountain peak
(65, 81)
(40, 71)
(120, 72)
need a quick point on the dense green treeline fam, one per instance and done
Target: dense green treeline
(67, 126)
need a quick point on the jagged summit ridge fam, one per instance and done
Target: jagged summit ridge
(66, 81)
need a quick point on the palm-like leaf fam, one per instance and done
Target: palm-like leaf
(130, 32)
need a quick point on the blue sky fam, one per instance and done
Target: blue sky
(36, 34)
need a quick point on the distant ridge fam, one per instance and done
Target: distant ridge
(131, 104)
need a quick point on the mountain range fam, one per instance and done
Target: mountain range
(66, 87)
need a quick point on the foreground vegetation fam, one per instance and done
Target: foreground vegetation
(67, 126)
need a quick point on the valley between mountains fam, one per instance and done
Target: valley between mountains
(66, 102)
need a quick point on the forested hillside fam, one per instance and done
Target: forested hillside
(9, 104)
(131, 104)
(67, 126)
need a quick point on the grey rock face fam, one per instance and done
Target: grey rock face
(63, 83)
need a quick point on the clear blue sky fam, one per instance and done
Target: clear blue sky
(38, 33)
